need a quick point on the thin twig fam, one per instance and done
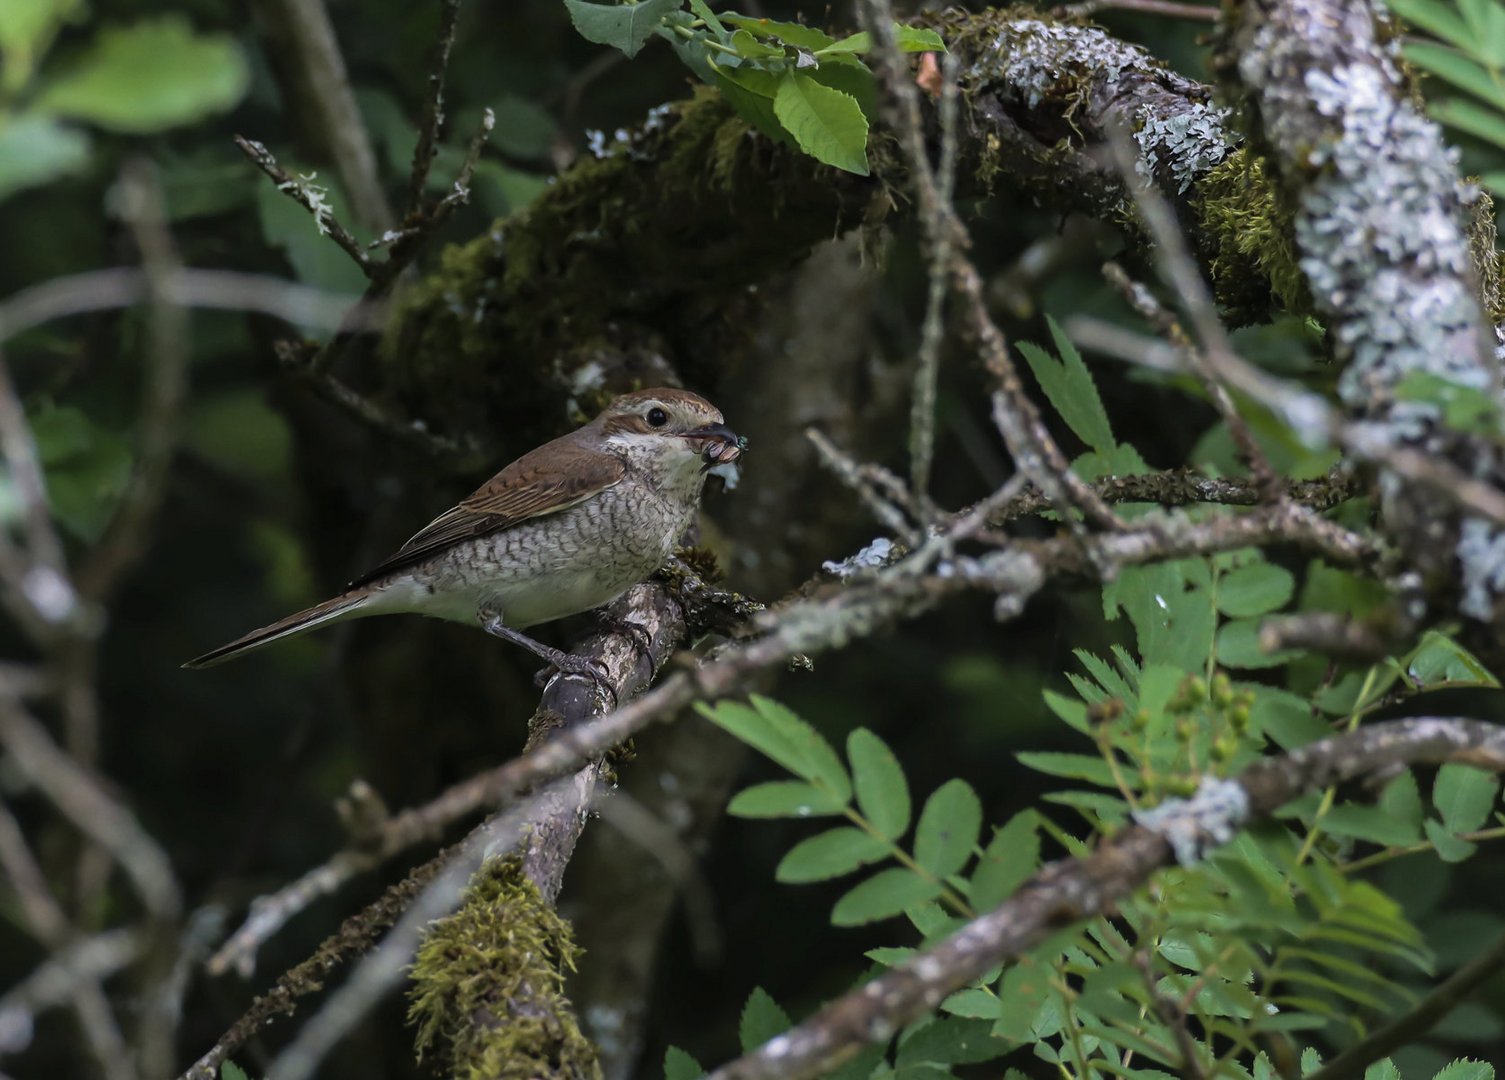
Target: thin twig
(303, 191)
(1150, 307)
(322, 95)
(431, 127)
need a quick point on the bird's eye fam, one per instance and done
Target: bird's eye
(657, 417)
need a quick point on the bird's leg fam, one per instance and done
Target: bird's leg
(566, 663)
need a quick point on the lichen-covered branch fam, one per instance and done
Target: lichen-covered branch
(1380, 227)
(1072, 890)
(678, 217)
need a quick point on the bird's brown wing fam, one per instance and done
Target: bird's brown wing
(543, 481)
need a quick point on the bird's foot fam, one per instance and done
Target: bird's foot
(567, 664)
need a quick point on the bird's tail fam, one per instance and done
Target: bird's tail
(330, 610)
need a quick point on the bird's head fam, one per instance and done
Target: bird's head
(676, 434)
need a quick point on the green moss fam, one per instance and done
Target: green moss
(1246, 234)
(488, 985)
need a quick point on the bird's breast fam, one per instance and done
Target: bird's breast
(550, 567)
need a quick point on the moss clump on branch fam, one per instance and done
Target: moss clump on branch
(1244, 223)
(488, 985)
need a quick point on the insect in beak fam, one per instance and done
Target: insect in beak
(719, 445)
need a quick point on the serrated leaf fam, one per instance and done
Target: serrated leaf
(777, 733)
(888, 956)
(1464, 796)
(762, 1019)
(878, 779)
(149, 76)
(882, 896)
(744, 88)
(1010, 857)
(1072, 393)
(1255, 589)
(678, 1065)
(823, 764)
(626, 27)
(948, 828)
(830, 854)
(784, 798)
(1465, 1069)
(827, 124)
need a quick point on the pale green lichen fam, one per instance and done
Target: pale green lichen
(488, 985)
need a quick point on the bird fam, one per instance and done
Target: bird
(565, 528)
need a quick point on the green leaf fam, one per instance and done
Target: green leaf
(1023, 992)
(889, 956)
(1464, 1069)
(703, 11)
(1472, 118)
(830, 854)
(1401, 800)
(1452, 66)
(1485, 20)
(26, 30)
(1071, 766)
(152, 75)
(884, 895)
(1010, 857)
(973, 1002)
(750, 92)
(948, 828)
(796, 34)
(1450, 849)
(951, 1041)
(679, 1065)
(1255, 589)
(228, 1070)
(1464, 796)
(784, 798)
(827, 124)
(751, 47)
(762, 1019)
(626, 27)
(1068, 385)
(908, 38)
(87, 468)
(35, 149)
(1369, 823)
(1437, 18)
(878, 778)
(777, 733)
(1238, 647)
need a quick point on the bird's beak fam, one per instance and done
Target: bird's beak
(718, 444)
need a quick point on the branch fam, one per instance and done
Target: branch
(303, 191)
(1073, 890)
(318, 90)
